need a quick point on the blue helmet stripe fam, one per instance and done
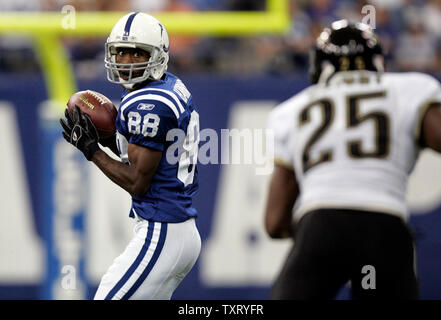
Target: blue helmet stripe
(129, 24)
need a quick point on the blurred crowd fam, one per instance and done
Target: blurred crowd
(410, 31)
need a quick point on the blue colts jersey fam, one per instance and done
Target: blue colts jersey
(161, 116)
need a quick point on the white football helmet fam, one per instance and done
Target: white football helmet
(137, 30)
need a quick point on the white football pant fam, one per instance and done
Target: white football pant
(154, 263)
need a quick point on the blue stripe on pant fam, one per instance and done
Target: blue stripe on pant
(138, 260)
(129, 24)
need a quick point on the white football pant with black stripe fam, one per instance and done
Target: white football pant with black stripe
(154, 263)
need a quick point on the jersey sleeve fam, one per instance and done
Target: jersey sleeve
(280, 128)
(146, 122)
(417, 92)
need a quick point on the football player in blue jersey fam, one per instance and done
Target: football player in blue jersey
(166, 242)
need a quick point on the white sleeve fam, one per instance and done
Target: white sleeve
(417, 92)
(281, 129)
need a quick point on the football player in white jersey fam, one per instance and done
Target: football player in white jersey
(344, 149)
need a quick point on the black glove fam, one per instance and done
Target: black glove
(108, 142)
(80, 131)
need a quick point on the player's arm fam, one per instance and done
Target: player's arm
(134, 178)
(431, 127)
(283, 192)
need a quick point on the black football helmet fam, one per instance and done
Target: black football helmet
(345, 46)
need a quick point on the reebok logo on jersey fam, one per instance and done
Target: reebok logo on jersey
(145, 106)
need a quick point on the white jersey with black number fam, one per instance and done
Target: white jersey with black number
(353, 142)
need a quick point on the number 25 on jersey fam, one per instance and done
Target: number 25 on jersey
(354, 118)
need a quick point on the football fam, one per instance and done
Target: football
(101, 110)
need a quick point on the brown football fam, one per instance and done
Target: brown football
(100, 109)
